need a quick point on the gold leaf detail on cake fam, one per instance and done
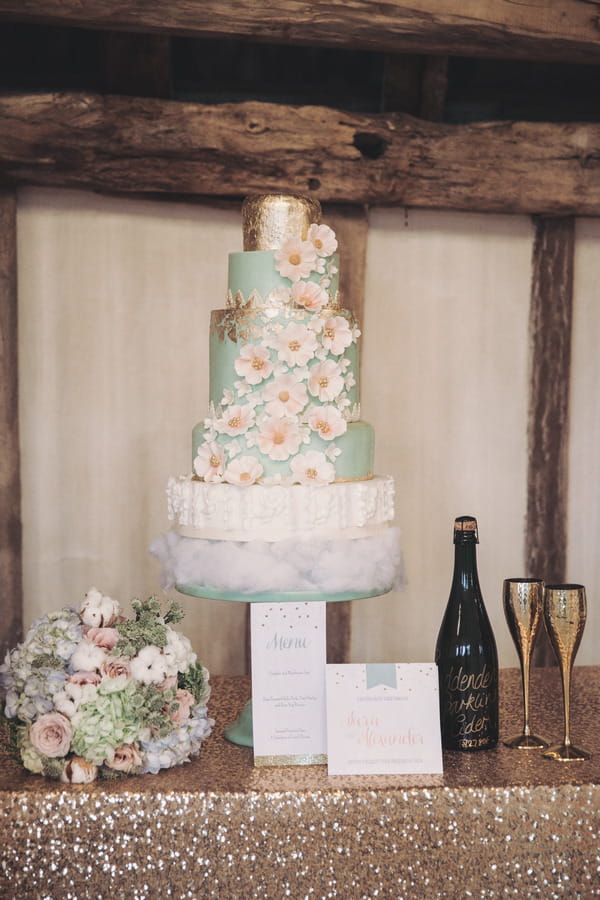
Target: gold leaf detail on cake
(237, 325)
(270, 219)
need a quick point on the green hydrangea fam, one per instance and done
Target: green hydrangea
(112, 718)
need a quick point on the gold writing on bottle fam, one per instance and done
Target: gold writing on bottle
(466, 700)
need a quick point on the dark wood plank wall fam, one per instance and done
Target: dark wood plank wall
(551, 316)
(561, 29)
(11, 601)
(129, 144)
(123, 144)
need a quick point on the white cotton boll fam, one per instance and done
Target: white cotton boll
(87, 657)
(149, 666)
(64, 704)
(98, 610)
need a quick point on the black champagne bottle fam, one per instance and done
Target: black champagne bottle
(466, 654)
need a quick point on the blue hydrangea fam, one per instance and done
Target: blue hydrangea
(34, 671)
(177, 747)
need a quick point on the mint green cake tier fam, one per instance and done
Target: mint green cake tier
(354, 463)
(254, 271)
(207, 593)
(232, 329)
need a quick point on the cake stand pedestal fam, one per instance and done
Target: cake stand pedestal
(240, 731)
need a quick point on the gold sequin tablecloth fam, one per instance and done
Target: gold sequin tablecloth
(500, 823)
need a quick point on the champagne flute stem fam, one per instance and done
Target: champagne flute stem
(566, 684)
(525, 680)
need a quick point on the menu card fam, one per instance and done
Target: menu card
(288, 683)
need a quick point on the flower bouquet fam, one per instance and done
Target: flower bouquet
(91, 694)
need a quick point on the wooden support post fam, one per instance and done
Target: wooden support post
(550, 335)
(11, 600)
(351, 226)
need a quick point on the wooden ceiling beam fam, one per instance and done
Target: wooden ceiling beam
(565, 30)
(124, 144)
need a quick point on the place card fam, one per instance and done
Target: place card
(383, 719)
(288, 683)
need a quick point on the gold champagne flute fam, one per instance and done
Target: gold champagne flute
(523, 600)
(565, 613)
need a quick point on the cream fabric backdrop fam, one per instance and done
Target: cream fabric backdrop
(114, 304)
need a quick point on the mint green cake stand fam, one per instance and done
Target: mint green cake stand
(240, 731)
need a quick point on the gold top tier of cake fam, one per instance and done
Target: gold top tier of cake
(270, 219)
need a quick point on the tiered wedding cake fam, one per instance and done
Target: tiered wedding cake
(282, 497)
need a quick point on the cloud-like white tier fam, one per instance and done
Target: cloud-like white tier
(279, 512)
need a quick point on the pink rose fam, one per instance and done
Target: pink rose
(103, 637)
(115, 666)
(185, 701)
(127, 758)
(169, 683)
(79, 771)
(51, 734)
(82, 678)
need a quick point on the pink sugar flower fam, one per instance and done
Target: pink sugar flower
(323, 239)
(253, 363)
(296, 259)
(310, 295)
(279, 438)
(209, 462)
(285, 396)
(295, 344)
(336, 335)
(328, 421)
(325, 380)
(243, 471)
(312, 468)
(237, 420)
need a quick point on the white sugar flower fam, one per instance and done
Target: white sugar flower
(242, 388)
(253, 363)
(285, 396)
(208, 463)
(295, 344)
(323, 239)
(296, 259)
(328, 421)
(227, 397)
(279, 438)
(336, 335)
(332, 452)
(237, 420)
(243, 471)
(233, 448)
(312, 468)
(310, 295)
(325, 380)
(149, 666)
(99, 610)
